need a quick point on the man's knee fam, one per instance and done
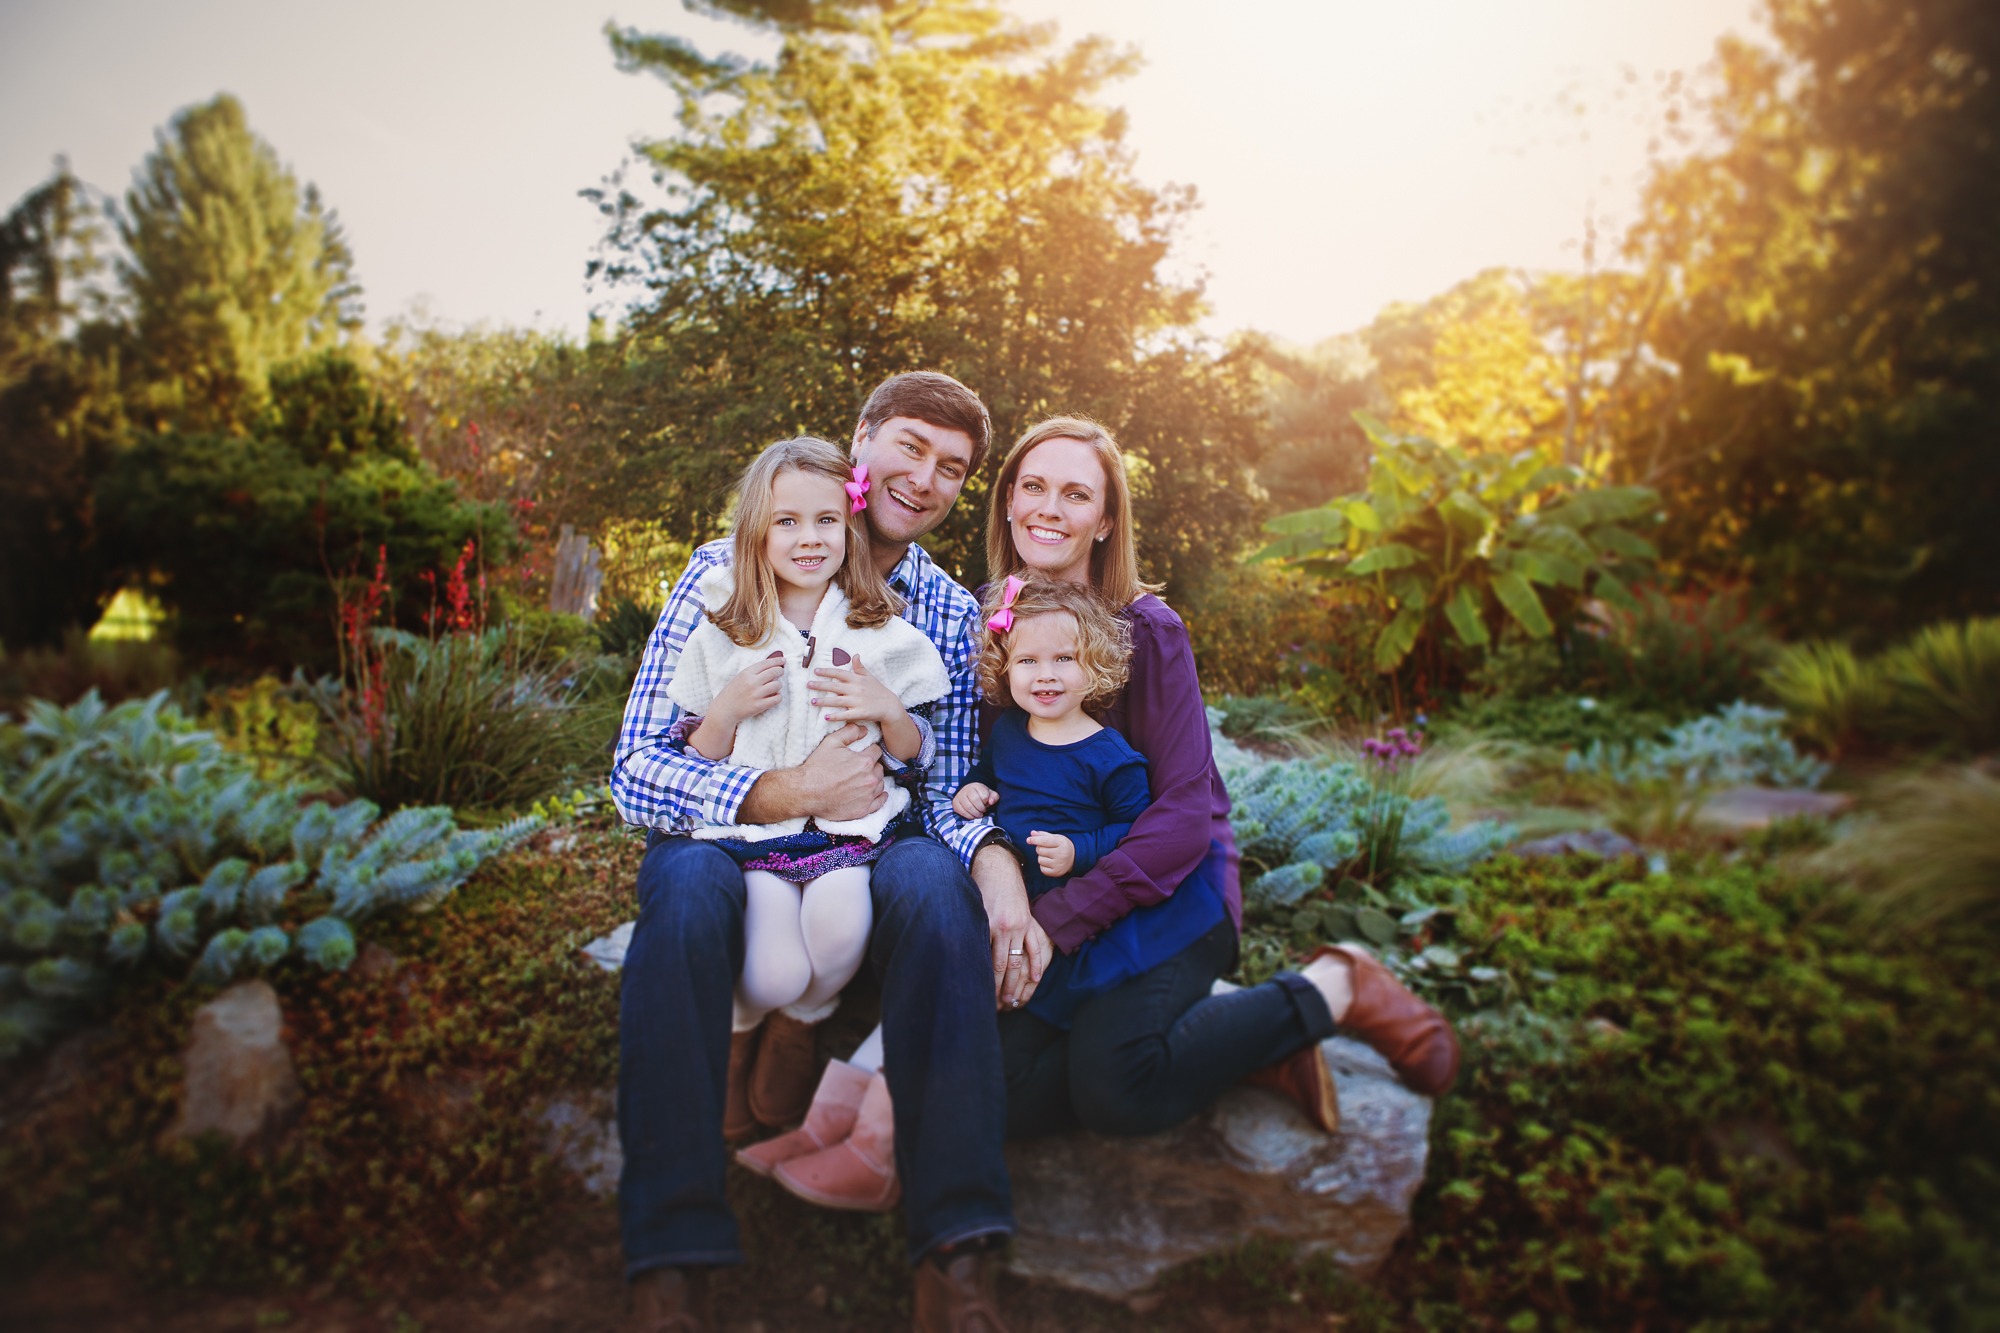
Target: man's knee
(919, 883)
(689, 884)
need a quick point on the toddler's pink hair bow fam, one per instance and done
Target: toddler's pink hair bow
(1003, 620)
(857, 490)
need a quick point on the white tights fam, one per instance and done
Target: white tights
(801, 945)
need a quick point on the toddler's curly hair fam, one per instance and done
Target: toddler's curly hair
(1103, 638)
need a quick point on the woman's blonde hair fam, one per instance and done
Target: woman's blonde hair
(751, 612)
(1114, 562)
(1103, 639)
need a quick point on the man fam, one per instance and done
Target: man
(921, 436)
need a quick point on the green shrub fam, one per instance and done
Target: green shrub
(468, 720)
(1684, 652)
(1929, 851)
(275, 724)
(1269, 716)
(1654, 789)
(1712, 1105)
(132, 840)
(1836, 700)
(624, 626)
(1945, 684)
(1248, 623)
(117, 669)
(1554, 721)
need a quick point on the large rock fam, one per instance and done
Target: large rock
(1108, 1216)
(1599, 842)
(239, 1079)
(1744, 809)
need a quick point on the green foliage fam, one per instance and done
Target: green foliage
(1443, 539)
(1712, 1103)
(1655, 788)
(1834, 698)
(1684, 652)
(420, 1152)
(469, 720)
(232, 270)
(991, 225)
(275, 724)
(1927, 852)
(127, 837)
(116, 668)
(1945, 684)
(61, 411)
(1248, 624)
(624, 626)
(243, 533)
(1938, 689)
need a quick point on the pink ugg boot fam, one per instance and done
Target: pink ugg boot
(829, 1119)
(859, 1172)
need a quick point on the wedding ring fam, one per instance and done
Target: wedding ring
(1015, 952)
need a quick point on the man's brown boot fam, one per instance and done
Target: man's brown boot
(958, 1296)
(670, 1300)
(738, 1124)
(782, 1083)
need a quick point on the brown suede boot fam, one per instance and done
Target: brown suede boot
(829, 1119)
(738, 1125)
(1303, 1077)
(782, 1083)
(859, 1172)
(957, 1297)
(1416, 1039)
(670, 1300)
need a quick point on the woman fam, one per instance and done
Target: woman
(1157, 1048)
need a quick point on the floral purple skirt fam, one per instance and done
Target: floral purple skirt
(800, 858)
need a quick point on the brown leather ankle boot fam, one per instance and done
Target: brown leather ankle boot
(670, 1300)
(1303, 1077)
(782, 1083)
(957, 1296)
(1416, 1039)
(859, 1172)
(738, 1125)
(829, 1119)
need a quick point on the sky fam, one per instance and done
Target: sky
(1347, 155)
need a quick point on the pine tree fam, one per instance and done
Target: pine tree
(233, 269)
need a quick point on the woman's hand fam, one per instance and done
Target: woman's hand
(1055, 854)
(753, 690)
(974, 799)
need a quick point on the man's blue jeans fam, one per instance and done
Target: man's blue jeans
(941, 1051)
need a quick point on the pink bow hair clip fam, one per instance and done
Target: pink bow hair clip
(857, 490)
(1003, 620)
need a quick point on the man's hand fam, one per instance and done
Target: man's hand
(844, 783)
(1020, 947)
(1055, 854)
(974, 799)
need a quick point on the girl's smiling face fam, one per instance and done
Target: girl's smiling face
(1056, 508)
(1043, 673)
(807, 539)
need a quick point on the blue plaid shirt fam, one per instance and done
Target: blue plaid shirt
(657, 781)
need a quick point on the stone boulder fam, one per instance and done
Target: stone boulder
(1745, 809)
(1599, 842)
(239, 1080)
(1108, 1216)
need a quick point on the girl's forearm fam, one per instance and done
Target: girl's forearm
(714, 738)
(900, 736)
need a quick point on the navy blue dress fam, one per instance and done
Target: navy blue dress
(1090, 791)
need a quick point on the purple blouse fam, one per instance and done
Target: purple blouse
(1160, 712)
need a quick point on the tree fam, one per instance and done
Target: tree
(232, 269)
(919, 186)
(1834, 333)
(60, 409)
(245, 537)
(1312, 394)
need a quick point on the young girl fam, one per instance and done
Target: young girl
(1066, 787)
(800, 590)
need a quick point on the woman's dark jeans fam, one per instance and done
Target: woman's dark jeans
(1150, 1053)
(941, 1051)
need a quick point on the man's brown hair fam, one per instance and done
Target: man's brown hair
(935, 399)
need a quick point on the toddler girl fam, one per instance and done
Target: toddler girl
(800, 591)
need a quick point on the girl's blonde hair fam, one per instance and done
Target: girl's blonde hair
(1114, 562)
(1103, 639)
(751, 611)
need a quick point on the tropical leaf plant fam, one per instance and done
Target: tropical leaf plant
(1464, 542)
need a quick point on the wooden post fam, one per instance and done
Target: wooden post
(578, 575)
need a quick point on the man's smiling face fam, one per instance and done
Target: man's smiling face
(915, 472)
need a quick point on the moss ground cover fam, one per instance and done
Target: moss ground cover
(1710, 1101)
